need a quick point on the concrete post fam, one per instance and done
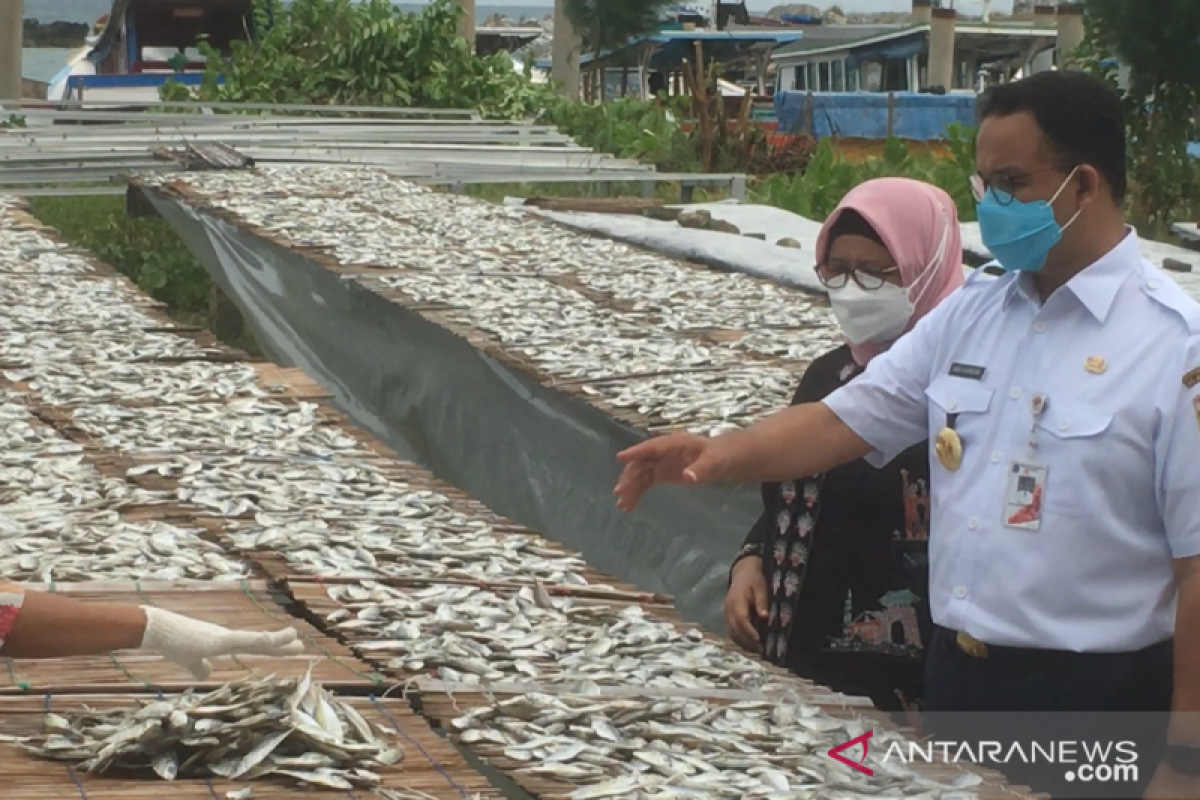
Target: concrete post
(12, 33)
(1044, 15)
(1070, 33)
(922, 10)
(466, 23)
(941, 47)
(565, 53)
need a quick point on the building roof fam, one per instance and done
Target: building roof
(515, 31)
(811, 45)
(674, 46)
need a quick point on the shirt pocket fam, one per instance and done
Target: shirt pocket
(1072, 440)
(964, 401)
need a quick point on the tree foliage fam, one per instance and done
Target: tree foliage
(607, 24)
(365, 52)
(1157, 42)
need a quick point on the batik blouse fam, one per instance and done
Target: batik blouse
(845, 561)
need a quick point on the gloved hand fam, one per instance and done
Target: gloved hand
(190, 642)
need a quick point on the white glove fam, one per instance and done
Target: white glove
(190, 642)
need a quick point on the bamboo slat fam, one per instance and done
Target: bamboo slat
(431, 764)
(243, 607)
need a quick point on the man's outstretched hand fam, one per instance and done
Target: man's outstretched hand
(680, 458)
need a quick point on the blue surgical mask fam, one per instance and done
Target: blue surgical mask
(1020, 235)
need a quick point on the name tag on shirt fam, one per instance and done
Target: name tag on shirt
(968, 371)
(1024, 494)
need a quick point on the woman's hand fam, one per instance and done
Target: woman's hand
(680, 458)
(746, 603)
(190, 642)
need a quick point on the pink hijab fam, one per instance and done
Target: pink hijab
(910, 217)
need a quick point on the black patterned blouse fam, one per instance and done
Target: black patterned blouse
(844, 556)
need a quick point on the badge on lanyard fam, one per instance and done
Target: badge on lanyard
(1027, 480)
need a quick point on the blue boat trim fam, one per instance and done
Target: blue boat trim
(136, 80)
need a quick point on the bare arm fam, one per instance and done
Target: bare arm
(1185, 719)
(55, 626)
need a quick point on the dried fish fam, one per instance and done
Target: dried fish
(643, 748)
(475, 636)
(597, 313)
(242, 731)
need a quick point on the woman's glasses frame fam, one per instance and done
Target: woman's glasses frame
(867, 279)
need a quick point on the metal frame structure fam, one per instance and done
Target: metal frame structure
(85, 148)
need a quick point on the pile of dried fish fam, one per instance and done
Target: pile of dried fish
(254, 426)
(118, 550)
(473, 635)
(69, 383)
(643, 749)
(443, 545)
(247, 730)
(27, 347)
(576, 307)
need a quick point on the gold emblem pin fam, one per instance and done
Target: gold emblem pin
(1095, 365)
(972, 646)
(949, 449)
(1190, 379)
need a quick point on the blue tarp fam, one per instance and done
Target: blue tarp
(865, 114)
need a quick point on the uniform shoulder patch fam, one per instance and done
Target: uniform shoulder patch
(1191, 378)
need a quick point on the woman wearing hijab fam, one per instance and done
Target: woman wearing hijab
(46, 625)
(831, 581)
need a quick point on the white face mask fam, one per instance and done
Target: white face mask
(870, 317)
(881, 315)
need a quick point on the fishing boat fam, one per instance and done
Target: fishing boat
(141, 44)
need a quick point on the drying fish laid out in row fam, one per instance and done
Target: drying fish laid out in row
(578, 308)
(642, 748)
(255, 426)
(84, 346)
(475, 636)
(443, 546)
(31, 252)
(293, 729)
(118, 550)
(69, 383)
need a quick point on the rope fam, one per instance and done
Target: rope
(137, 585)
(23, 686)
(424, 752)
(211, 791)
(132, 678)
(83, 795)
(374, 677)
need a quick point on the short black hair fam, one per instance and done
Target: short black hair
(1079, 114)
(851, 223)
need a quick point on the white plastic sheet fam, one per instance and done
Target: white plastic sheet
(763, 259)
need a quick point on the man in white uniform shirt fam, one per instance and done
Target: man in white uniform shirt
(1062, 403)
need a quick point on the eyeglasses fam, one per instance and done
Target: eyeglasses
(836, 274)
(1003, 186)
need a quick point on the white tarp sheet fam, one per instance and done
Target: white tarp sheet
(781, 264)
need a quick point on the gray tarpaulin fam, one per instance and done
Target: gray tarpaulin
(538, 456)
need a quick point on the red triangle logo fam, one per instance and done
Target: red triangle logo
(862, 739)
